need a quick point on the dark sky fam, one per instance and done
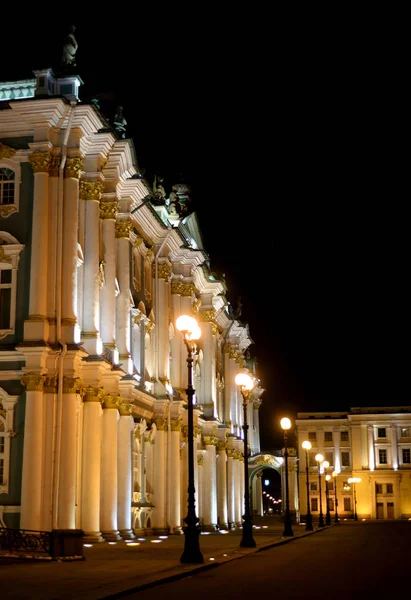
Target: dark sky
(290, 137)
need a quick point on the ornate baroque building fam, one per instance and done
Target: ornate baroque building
(95, 268)
(372, 445)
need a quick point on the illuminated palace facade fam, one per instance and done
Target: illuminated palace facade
(95, 268)
(372, 445)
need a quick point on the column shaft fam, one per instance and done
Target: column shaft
(91, 465)
(125, 428)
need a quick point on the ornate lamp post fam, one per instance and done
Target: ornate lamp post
(327, 478)
(246, 384)
(191, 554)
(319, 458)
(309, 520)
(288, 531)
(336, 519)
(354, 480)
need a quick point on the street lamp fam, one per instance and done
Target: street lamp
(309, 520)
(246, 384)
(327, 478)
(192, 553)
(288, 531)
(336, 519)
(319, 458)
(354, 480)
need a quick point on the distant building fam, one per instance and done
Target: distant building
(371, 444)
(93, 373)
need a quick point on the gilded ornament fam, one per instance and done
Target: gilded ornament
(214, 329)
(175, 425)
(55, 165)
(164, 271)
(137, 319)
(90, 190)
(222, 446)
(200, 460)
(112, 401)
(264, 460)
(6, 151)
(50, 385)
(123, 229)
(109, 210)
(33, 382)
(71, 385)
(138, 241)
(196, 304)
(7, 210)
(207, 316)
(92, 394)
(40, 161)
(161, 423)
(74, 166)
(126, 410)
(3, 256)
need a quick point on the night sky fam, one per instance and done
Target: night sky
(289, 140)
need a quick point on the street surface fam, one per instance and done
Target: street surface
(350, 561)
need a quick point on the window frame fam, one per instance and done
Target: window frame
(8, 161)
(7, 404)
(10, 251)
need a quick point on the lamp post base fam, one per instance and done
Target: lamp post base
(321, 521)
(192, 553)
(247, 540)
(309, 523)
(328, 519)
(288, 530)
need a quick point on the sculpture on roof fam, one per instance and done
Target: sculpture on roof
(120, 123)
(158, 189)
(68, 58)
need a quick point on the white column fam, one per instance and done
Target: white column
(239, 487)
(125, 429)
(209, 495)
(394, 446)
(40, 161)
(90, 192)
(174, 476)
(222, 518)
(163, 320)
(371, 451)
(50, 396)
(91, 463)
(255, 429)
(175, 344)
(33, 454)
(159, 473)
(66, 516)
(108, 211)
(337, 449)
(208, 367)
(199, 495)
(109, 468)
(70, 253)
(230, 487)
(123, 325)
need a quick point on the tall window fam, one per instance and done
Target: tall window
(2, 447)
(9, 259)
(344, 436)
(389, 488)
(381, 432)
(406, 455)
(405, 432)
(314, 504)
(347, 504)
(7, 182)
(312, 436)
(330, 457)
(382, 453)
(345, 459)
(7, 404)
(328, 436)
(311, 459)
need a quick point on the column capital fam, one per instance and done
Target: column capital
(92, 394)
(175, 425)
(164, 270)
(90, 190)
(33, 382)
(123, 229)
(40, 161)
(74, 165)
(184, 289)
(109, 210)
(126, 410)
(112, 401)
(71, 385)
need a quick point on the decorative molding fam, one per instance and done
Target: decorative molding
(109, 210)
(90, 190)
(184, 289)
(33, 382)
(71, 385)
(6, 151)
(123, 229)
(40, 161)
(74, 166)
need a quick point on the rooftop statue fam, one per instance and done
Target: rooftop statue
(68, 58)
(120, 122)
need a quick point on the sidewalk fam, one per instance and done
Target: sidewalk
(110, 570)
